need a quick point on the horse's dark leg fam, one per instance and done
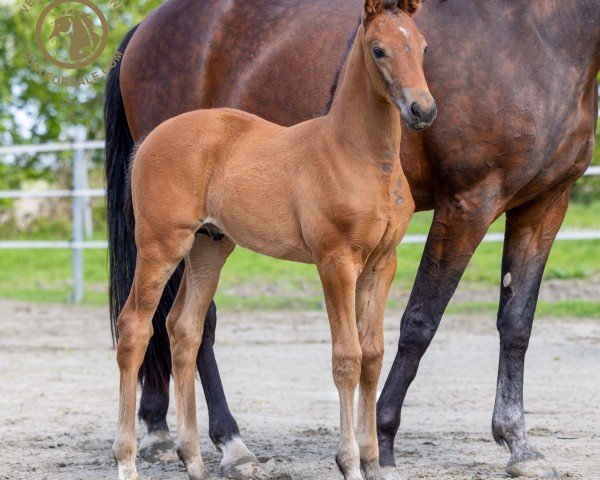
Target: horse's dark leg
(459, 225)
(530, 231)
(238, 462)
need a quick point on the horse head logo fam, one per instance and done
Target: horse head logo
(81, 30)
(70, 37)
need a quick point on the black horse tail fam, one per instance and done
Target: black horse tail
(156, 368)
(118, 148)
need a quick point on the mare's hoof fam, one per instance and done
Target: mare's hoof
(158, 446)
(392, 473)
(244, 468)
(533, 467)
(372, 470)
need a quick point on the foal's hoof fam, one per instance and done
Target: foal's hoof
(243, 468)
(372, 470)
(158, 446)
(533, 467)
(349, 472)
(197, 471)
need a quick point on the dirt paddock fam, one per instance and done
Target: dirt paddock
(58, 396)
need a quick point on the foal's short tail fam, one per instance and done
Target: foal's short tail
(119, 145)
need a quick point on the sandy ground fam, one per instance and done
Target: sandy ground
(58, 396)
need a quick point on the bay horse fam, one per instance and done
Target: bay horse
(515, 87)
(328, 191)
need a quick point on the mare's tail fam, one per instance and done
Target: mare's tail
(156, 368)
(119, 145)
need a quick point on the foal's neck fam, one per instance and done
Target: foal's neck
(360, 117)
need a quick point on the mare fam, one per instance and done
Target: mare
(516, 91)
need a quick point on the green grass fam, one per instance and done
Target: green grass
(254, 282)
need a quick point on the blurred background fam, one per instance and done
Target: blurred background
(51, 143)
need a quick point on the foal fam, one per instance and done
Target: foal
(329, 191)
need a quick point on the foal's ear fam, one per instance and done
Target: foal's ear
(372, 8)
(409, 6)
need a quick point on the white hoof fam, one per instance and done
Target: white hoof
(158, 446)
(532, 468)
(239, 463)
(128, 472)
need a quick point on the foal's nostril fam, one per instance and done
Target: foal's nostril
(416, 110)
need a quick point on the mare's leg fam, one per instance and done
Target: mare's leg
(185, 325)
(339, 272)
(238, 462)
(156, 260)
(371, 297)
(530, 231)
(459, 224)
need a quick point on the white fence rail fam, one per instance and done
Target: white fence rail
(81, 193)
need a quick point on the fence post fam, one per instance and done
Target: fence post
(78, 214)
(88, 224)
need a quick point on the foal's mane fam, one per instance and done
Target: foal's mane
(338, 72)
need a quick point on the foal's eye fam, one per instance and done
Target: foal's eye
(378, 53)
(426, 48)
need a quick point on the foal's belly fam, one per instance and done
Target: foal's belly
(261, 221)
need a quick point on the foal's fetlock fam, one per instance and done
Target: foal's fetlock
(349, 465)
(196, 469)
(124, 454)
(372, 469)
(189, 453)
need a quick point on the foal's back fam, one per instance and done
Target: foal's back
(208, 162)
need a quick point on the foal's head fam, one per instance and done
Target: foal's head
(394, 50)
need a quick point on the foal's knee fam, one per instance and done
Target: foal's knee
(372, 359)
(134, 335)
(347, 366)
(185, 339)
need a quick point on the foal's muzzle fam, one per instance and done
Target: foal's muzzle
(418, 108)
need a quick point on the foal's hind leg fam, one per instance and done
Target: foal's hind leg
(530, 231)
(156, 261)
(185, 324)
(371, 296)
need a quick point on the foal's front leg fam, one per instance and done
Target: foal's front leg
(185, 325)
(339, 272)
(371, 297)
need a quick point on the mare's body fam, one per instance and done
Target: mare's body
(515, 86)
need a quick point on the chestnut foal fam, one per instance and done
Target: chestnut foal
(329, 191)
